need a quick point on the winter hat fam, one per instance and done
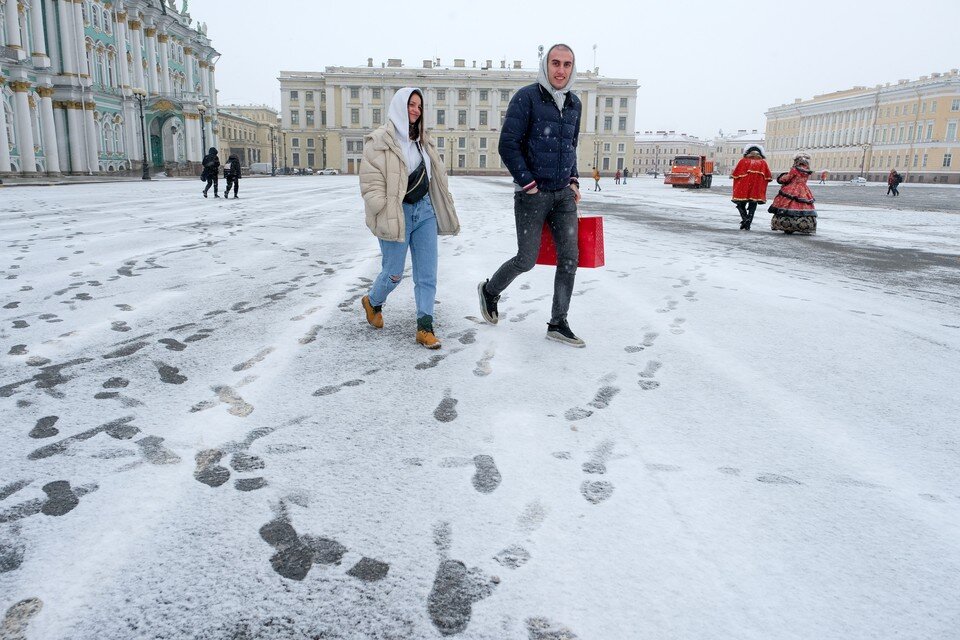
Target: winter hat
(753, 147)
(213, 151)
(802, 158)
(559, 95)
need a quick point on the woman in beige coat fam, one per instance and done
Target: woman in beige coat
(408, 203)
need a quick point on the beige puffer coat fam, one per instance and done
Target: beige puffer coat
(383, 183)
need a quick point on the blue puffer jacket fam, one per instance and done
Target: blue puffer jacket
(538, 143)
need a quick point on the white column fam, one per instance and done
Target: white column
(92, 135)
(213, 85)
(68, 50)
(151, 34)
(78, 160)
(4, 140)
(39, 44)
(192, 134)
(50, 28)
(80, 40)
(188, 64)
(131, 130)
(63, 138)
(49, 129)
(12, 17)
(120, 31)
(165, 63)
(21, 112)
(137, 54)
(203, 78)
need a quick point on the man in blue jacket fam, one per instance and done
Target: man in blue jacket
(538, 144)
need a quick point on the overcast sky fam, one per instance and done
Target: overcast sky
(701, 65)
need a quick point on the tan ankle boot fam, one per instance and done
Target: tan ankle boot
(374, 317)
(428, 339)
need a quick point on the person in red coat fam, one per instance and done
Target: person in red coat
(793, 208)
(750, 178)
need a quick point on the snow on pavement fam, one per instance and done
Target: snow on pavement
(203, 438)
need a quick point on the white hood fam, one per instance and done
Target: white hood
(559, 95)
(401, 124)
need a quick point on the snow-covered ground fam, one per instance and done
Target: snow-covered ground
(202, 437)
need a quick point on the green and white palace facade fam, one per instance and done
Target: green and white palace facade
(73, 74)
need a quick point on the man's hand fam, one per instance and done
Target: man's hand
(533, 190)
(576, 192)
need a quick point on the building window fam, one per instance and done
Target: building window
(606, 164)
(483, 143)
(376, 93)
(350, 146)
(376, 116)
(621, 148)
(310, 142)
(309, 117)
(296, 159)
(441, 94)
(461, 161)
(441, 116)
(608, 103)
(462, 95)
(323, 96)
(924, 160)
(623, 103)
(440, 143)
(294, 142)
(294, 96)
(461, 117)
(622, 124)
(505, 94)
(323, 118)
(951, 132)
(483, 118)
(503, 116)
(311, 159)
(308, 96)
(294, 117)
(606, 147)
(354, 116)
(947, 158)
(462, 143)
(484, 95)
(483, 162)
(607, 123)
(354, 93)
(916, 160)
(929, 131)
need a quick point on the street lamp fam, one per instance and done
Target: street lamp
(141, 95)
(450, 151)
(863, 159)
(656, 162)
(283, 149)
(596, 154)
(273, 152)
(203, 127)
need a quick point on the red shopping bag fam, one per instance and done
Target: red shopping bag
(589, 242)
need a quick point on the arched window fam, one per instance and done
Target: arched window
(107, 135)
(118, 137)
(112, 67)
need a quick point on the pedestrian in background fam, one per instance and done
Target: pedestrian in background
(211, 172)
(538, 145)
(232, 173)
(626, 172)
(616, 177)
(596, 179)
(407, 203)
(823, 177)
(750, 178)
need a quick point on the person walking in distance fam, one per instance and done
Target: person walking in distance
(750, 178)
(596, 179)
(538, 145)
(626, 172)
(232, 173)
(616, 177)
(211, 172)
(407, 203)
(823, 177)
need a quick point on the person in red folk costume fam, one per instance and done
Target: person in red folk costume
(793, 208)
(750, 178)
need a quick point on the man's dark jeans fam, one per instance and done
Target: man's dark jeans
(559, 210)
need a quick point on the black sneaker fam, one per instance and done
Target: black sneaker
(488, 304)
(561, 333)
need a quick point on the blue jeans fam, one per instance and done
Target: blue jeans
(420, 224)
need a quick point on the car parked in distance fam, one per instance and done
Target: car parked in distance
(328, 172)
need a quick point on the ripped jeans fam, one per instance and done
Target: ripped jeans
(420, 225)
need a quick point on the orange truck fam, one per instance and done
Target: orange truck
(690, 171)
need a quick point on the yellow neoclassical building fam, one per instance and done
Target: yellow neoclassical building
(250, 132)
(325, 114)
(909, 125)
